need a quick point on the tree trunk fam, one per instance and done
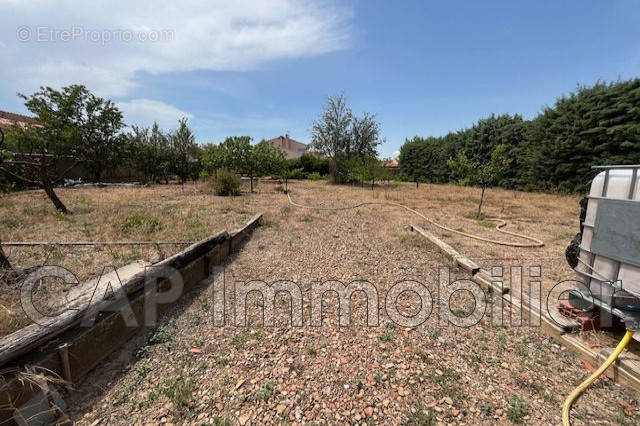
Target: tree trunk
(4, 262)
(373, 182)
(417, 183)
(480, 205)
(48, 189)
(286, 185)
(251, 180)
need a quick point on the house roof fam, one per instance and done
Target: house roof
(8, 119)
(292, 148)
(286, 142)
(391, 164)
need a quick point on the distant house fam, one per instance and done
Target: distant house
(8, 119)
(391, 165)
(292, 148)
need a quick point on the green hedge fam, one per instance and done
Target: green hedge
(595, 125)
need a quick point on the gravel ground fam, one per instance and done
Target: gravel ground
(187, 371)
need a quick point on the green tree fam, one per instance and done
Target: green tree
(379, 172)
(267, 160)
(475, 173)
(41, 155)
(365, 136)
(149, 152)
(211, 158)
(101, 134)
(343, 137)
(184, 151)
(237, 153)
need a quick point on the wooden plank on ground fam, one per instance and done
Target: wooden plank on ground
(34, 335)
(625, 371)
(458, 259)
(238, 235)
(87, 347)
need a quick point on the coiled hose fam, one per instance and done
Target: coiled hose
(534, 241)
(566, 407)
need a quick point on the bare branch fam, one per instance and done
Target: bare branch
(23, 179)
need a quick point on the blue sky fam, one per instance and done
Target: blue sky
(263, 69)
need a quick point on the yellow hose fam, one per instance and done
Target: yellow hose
(566, 407)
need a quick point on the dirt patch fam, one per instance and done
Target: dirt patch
(197, 373)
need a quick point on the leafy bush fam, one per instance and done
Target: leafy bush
(401, 177)
(226, 183)
(296, 174)
(7, 187)
(310, 163)
(314, 176)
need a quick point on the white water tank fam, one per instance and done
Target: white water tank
(609, 258)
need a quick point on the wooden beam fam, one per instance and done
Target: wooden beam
(85, 348)
(34, 335)
(457, 258)
(626, 370)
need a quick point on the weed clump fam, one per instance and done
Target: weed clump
(179, 390)
(141, 222)
(517, 408)
(421, 418)
(266, 391)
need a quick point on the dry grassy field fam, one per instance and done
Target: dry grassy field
(187, 371)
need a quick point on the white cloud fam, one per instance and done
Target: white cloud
(194, 35)
(396, 153)
(145, 112)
